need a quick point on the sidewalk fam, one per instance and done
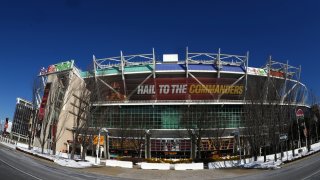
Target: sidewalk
(137, 173)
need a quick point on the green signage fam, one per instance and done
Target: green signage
(63, 66)
(58, 67)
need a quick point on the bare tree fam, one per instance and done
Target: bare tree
(47, 113)
(63, 97)
(132, 136)
(315, 116)
(254, 118)
(199, 123)
(46, 117)
(138, 142)
(81, 112)
(87, 121)
(36, 88)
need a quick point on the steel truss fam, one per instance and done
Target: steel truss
(218, 60)
(121, 62)
(291, 74)
(38, 89)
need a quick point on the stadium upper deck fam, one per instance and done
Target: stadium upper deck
(126, 74)
(195, 68)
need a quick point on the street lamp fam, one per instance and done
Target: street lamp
(98, 148)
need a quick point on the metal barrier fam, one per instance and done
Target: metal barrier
(7, 140)
(19, 137)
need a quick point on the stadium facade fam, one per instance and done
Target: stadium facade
(156, 108)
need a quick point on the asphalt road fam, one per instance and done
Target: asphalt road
(16, 165)
(307, 168)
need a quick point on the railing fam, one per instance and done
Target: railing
(7, 140)
(19, 136)
(167, 101)
(181, 102)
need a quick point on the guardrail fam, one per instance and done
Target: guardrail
(19, 136)
(180, 102)
(7, 140)
(170, 102)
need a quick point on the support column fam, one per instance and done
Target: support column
(219, 63)
(81, 150)
(153, 63)
(187, 63)
(147, 144)
(106, 146)
(101, 149)
(68, 148)
(193, 145)
(246, 82)
(123, 77)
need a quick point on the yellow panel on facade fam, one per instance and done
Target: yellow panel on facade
(95, 140)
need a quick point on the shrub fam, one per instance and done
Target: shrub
(170, 161)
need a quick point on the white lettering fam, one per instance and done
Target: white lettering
(174, 88)
(183, 88)
(166, 89)
(161, 88)
(152, 90)
(146, 89)
(140, 89)
(179, 88)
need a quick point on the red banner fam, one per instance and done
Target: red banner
(178, 89)
(44, 101)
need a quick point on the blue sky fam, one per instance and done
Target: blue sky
(38, 33)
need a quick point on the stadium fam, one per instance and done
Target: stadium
(172, 108)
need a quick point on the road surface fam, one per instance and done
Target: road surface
(307, 168)
(17, 165)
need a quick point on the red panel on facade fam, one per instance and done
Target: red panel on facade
(44, 102)
(277, 73)
(178, 89)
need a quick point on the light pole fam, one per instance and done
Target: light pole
(98, 147)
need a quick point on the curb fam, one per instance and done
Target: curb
(10, 147)
(41, 157)
(301, 157)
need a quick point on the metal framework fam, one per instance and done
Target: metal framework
(38, 90)
(122, 61)
(290, 73)
(218, 60)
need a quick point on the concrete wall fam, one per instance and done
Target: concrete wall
(66, 119)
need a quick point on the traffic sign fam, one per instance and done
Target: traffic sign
(283, 137)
